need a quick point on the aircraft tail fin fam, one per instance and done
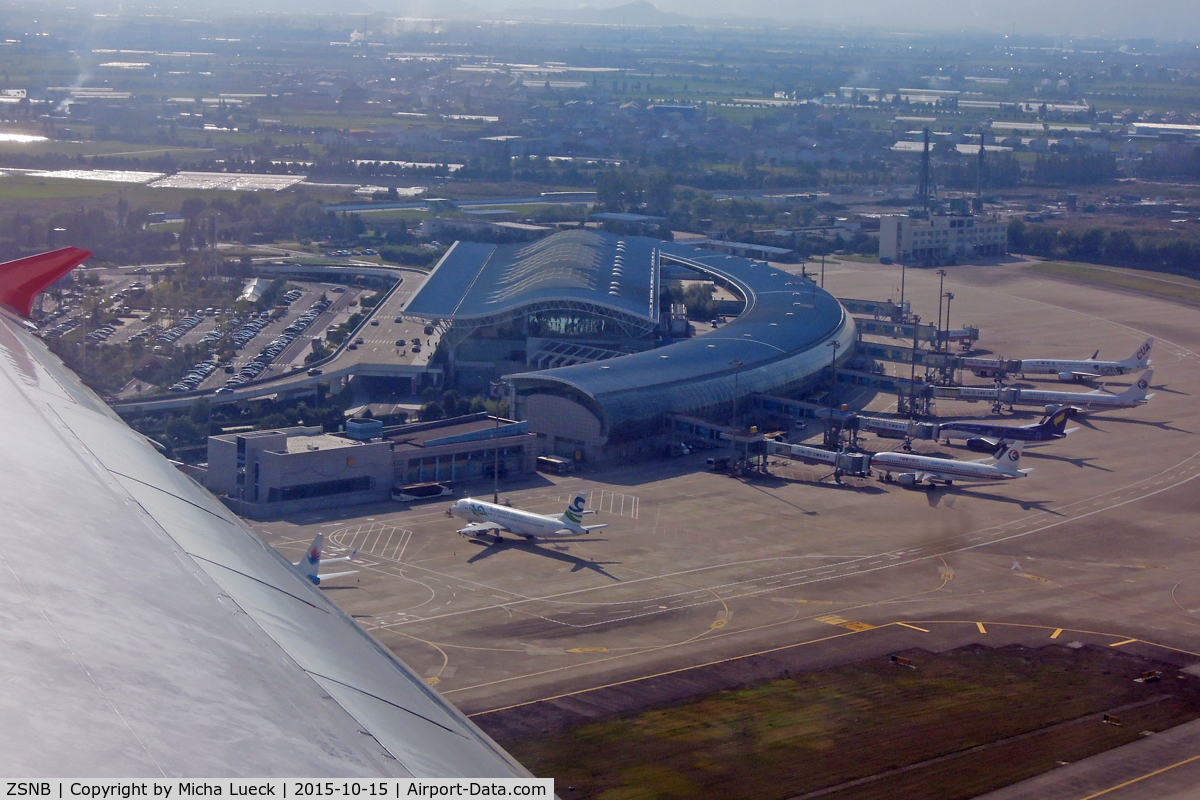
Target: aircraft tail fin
(1056, 423)
(1095, 355)
(574, 513)
(1138, 391)
(1141, 357)
(310, 565)
(1008, 460)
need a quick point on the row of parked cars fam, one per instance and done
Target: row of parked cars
(277, 345)
(180, 330)
(60, 328)
(343, 253)
(196, 376)
(104, 331)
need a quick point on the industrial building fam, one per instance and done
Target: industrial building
(602, 290)
(941, 239)
(262, 473)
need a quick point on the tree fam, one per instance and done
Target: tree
(191, 208)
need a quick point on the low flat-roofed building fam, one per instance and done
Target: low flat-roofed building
(298, 464)
(462, 449)
(941, 239)
(263, 473)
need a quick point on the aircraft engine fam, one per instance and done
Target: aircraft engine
(1066, 377)
(906, 479)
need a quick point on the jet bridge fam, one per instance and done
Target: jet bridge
(877, 309)
(857, 464)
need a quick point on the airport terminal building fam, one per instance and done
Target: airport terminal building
(602, 291)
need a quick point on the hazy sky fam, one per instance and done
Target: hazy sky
(1117, 19)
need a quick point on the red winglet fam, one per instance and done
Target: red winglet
(21, 280)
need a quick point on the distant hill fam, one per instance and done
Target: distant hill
(639, 12)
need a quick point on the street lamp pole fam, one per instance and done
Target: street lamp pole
(941, 281)
(737, 368)
(835, 344)
(496, 387)
(949, 297)
(903, 269)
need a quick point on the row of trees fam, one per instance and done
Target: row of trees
(1098, 246)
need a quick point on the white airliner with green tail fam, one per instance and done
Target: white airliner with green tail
(490, 518)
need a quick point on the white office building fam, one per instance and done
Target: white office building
(941, 239)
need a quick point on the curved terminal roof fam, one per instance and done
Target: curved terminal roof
(781, 341)
(478, 283)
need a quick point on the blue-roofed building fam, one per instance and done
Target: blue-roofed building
(782, 342)
(480, 284)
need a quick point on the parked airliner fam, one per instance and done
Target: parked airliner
(1084, 369)
(1097, 400)
(914, 470)
(987, 436)
(491, 518)
(1088, 368)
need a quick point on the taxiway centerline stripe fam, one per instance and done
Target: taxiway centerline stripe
(1140, 778)
(914, 627)
(642, 678)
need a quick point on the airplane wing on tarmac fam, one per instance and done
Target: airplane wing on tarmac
(149, 633)
(481, 527)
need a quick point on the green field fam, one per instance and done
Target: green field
(958, 724)
(27, 187)
(1159, 284)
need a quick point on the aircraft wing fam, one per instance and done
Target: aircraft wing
(482, 527)
(332, 575)
(150, 633)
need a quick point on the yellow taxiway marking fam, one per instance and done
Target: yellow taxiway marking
(981, 628)
(1127, 641)
(720, 623)
(842, 622)
(947, 576)
(768, 651)
(433, 681)
(1036, 578)
(1056, 633)
(1141, 778)
(588, 650)
(914, 627)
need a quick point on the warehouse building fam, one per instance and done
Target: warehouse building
(266, 473)
(941, 239)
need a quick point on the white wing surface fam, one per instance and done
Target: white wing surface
(146, 631)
